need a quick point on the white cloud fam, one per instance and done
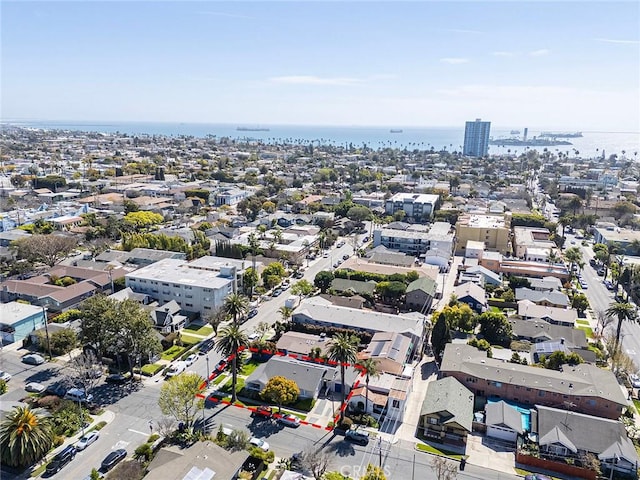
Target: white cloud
(620, 41)
(314, 80)
(539, 53)
(503, 54)
(454, 60)
(464, 30)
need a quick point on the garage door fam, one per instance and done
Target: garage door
(502, 433)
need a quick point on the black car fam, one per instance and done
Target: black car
(205, 347)
(252, 313)
(57, 389)
(117, 378)
(61, 459)
(113, 459)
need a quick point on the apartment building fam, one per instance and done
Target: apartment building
(195, 289)
(418, 207)
(492, 230)
(476, 138)
(587, 388)
(532, 244)
(416, 243)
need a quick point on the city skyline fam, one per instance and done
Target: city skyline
(562, 64)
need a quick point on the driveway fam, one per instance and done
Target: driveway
(487, 454)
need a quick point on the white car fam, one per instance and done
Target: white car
(87, 440)
(253, 336)
(176, 369)
(635, 380)
(289, 421)
(191, 359)
(261, 444)
(5, 376)
(35, 387)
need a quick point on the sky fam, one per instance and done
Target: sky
(571, 64)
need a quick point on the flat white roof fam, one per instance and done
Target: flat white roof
(171, 270)
(13, 312)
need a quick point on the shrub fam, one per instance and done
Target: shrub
(168, 341)
(58, 440)
(345, 424)
(153, 438)
(143, 452)
(150, 369)
(100, 425)
(68, 316)
(173, 353)
(3, 387)
(50, 402)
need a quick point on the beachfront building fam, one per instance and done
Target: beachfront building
(476, 138)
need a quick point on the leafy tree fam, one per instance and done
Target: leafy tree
(135, 334)
(392, 291)
(559, 358)
(142, 219)
(304, 288)
(281, 391)
(236, 306)
(440, 336)
(25, 436)
(97, 326)
(374, 473)
(80, 371)
(230, 343)
(580, 302)
(48, 249)
(343, 350)
(237, 440)
(359, 214)
(623, 311)
(178, 397)
(481, 345)
(495, 328)
(519, 282)
(249, 280)
(62, 341)
(323, 280)
(272, 274)
(216, 318)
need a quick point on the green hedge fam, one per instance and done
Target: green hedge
(150, 369)
(173, 353)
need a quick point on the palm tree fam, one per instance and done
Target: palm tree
(235, 306)
(343, 350)
(573, 256)
(25, 436)
(369, 367)
(229, 343)
(285, 312)
(623, 311)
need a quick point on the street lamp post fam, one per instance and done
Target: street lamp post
(208, 371)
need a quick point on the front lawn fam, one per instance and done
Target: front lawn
(239, 386)
(220, 378)
(204, 330)
(587, 330)
(305, 404)
(249, 367)
(150, 369)
(423, 447)
(173, 353)
(189, 340)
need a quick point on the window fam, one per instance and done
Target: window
(189, 296)
(165, 284)
(207, 308)
(189, 304)
(396, 404)
(433, 420)
(541, 393)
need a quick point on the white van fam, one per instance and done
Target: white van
(176, 369)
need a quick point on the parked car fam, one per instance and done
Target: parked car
(252, 313)
(33, 359)
(345, 256)
(276, 293)
(600, 272)
(253, 336)
(87, 440)
(536, 476)
(298, 274)
(78, 395)
(634, 379)
(261, 444)
(5, 376)
(221, 364)
(58, 389)
(176, 369)
(61, 459)
(35, 387)
(263, 411)
(113, 459)
(289, 420)
(117, 378)
(205, 347)
(340, 244)
(360, 437)
(191, 359)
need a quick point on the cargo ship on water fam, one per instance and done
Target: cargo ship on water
(561, 134)
(250, 129)
(531, 142)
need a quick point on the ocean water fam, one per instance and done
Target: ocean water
(592, 144)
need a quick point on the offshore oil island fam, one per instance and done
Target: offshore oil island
(545, 139)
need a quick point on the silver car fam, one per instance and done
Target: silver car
(87, 440)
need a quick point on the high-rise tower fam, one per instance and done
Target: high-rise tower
(476, 138)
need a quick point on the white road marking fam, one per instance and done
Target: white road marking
(137, 431)
(120, 444)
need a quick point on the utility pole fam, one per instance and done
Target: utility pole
(46, 330)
